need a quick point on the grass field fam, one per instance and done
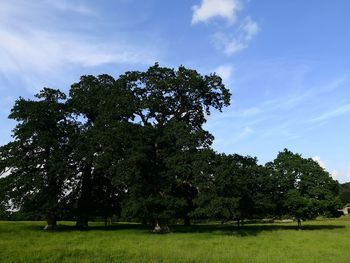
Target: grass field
(319, 241)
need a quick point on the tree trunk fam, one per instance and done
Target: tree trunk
(161, 228)
(238, 223)
(82, 222)
(299, 223)
(51, 222)
(187, 221)
(84, 201)
(108, 221)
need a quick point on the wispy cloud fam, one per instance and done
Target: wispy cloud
(209, 9)
(246, 113)
(234, 43)
(41, 50)
(341, 110)
(280, 109)
(246, 132)
(70, 6)
(336, 83)
(36, 50)
(249, 28)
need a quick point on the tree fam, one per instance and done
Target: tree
(38, 159)
(103, 110)
(172, 106)
(305, 189)
(232, 188)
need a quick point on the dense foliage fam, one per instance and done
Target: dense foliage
(344, 193)
(135, 147)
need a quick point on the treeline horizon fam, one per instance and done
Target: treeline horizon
(135, 148)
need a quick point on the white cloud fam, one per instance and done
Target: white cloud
(319, 161)
(335, 174)
(348, 174)
(225, 72)
(230, 43)
(209, 9)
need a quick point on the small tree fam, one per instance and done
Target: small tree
(38, 159)
(304, 188)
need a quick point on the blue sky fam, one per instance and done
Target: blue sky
(286, 63)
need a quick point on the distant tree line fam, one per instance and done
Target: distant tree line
(135, 148)
(344, 193)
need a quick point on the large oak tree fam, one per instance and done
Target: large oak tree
(172, 106)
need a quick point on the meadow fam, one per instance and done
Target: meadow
(318, 241)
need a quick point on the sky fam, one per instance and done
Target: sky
(286, 63)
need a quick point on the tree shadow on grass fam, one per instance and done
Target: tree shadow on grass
(250, 230)
(64, 227)
(217, 229)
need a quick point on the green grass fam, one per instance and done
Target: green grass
(319, 241)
